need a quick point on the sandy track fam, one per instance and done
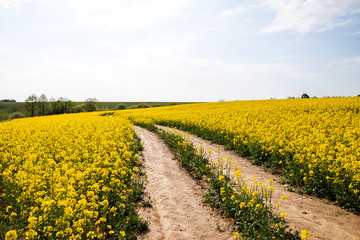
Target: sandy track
(324, 220)
(178, 211)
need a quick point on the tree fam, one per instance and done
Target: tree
(31, 104)
(16, 115)
(54, 105)
(79, 108)
(62, 105)
(143, 105)
(43, 105)
(90, 104)
(69, 106)
(57, 106)
(305, 96)
(121, 107)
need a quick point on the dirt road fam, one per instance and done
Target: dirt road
(178, 211)
(324, 220)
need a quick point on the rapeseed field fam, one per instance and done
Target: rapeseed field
(72, 176)
(314, 143)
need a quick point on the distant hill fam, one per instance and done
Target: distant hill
(8, 107)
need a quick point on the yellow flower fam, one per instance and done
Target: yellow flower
(31, 234)
(8, 208)
(90, 234)
(122, 233)
(221, 177)
(282, 215)
(236, 235)
(283, 197)
(11, 235)
(238, 174)
(305, 235)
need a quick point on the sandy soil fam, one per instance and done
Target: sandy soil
(321, 218)
(178, 211)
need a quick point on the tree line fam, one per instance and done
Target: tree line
(42, 106)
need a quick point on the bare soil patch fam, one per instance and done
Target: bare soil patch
(324, 220)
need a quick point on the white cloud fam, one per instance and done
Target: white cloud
(310, 15)
(288, 57)
(350, 62)
(249, 20)
(113, 15)
(159, 64)
(355, 60)
(231, 12)
(8, 7)
(13, 4)
(166, 71)
(125, 15)
(170, 62)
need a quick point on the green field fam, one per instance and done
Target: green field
(8, 107)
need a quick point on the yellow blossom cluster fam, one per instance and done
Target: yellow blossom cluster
(314, 142)
(67, 177)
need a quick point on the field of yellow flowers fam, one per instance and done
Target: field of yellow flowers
(314, 143)
(73, 176)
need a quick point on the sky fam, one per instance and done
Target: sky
(196, 51)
